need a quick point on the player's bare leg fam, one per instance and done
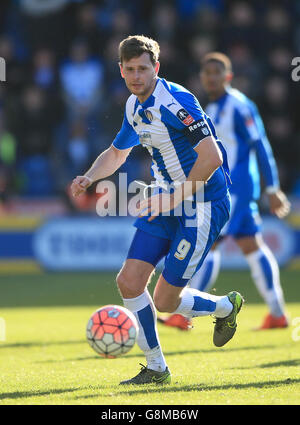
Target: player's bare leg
(132, 281)
(133, 277)
(266, 276)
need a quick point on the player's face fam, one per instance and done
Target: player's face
(214, 78)
(140, 75)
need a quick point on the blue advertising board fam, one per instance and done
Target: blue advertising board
(94, 243)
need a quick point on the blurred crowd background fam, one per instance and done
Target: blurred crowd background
(63, 99)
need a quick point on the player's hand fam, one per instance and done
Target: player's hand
(80, 184)
(279, 204)
(156, 204)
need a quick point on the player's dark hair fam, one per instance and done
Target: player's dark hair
(135, 45)
(217, 57)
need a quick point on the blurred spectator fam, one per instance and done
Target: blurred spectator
(112, 114)
(208, 21)
(246, 69)
(37, 176)
(192, 84)
(241, 26)
(188, 10)
(81, 78)
(276, 108)
(276, 92)
(198, 47)
(164, 22)
(243, 84)
(44, 69)
(44, 22)
(277, 23)
(169, 67)
(78, 154)
(281, 134)
(38, 8)
(280, 59)
(87, 28)
(33, 122)
(121, 25)
(111, 59)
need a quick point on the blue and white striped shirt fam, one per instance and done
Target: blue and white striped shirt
(170, 124)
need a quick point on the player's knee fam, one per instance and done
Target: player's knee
(249, 244)
(123, 281)
(128, 284)
(160, 306)
(163, 305)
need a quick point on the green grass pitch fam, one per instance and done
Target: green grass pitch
(46, 359)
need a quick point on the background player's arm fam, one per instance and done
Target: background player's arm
(278, 202)
(255, 131)
(105, 165)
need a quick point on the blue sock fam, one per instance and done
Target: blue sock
(195, 303)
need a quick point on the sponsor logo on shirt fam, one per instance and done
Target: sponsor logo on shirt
(197, 125)
(145, 138)
(185, 117)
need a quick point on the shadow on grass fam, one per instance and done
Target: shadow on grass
(148, 389)
(167, 353)
(26, 394)
(285, 363)
(294, 362)
(40, 344)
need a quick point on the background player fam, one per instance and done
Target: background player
(169, 122)
(239, 126)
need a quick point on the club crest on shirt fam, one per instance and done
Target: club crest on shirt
(185, 117)
(148, 114)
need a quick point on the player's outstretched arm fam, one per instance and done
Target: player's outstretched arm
(106, 164)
